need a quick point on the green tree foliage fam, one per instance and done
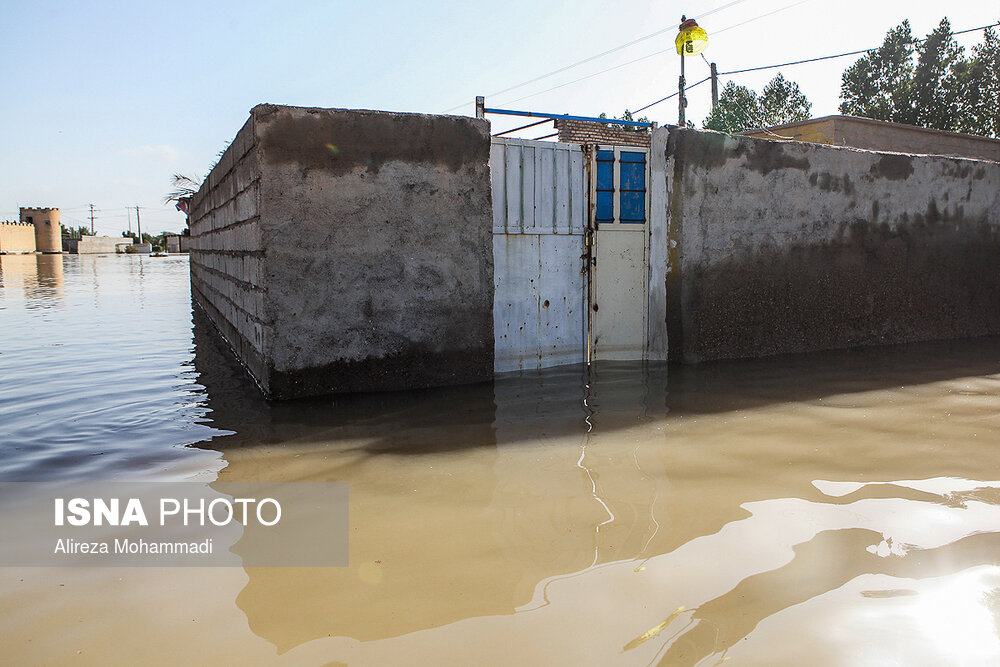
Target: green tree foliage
(736, 110)
(935, 92)
(930, 82)
(877, 85)
(627, 116)
(783, 102)
(74, 232)
(980, 84)
(741, 108)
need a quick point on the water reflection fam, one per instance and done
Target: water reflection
(837, 508)
(639, 514)
(38, 277)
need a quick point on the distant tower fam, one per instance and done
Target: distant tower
(48, 234)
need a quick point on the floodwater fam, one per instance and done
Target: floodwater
(829, 509)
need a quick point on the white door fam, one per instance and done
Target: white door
(620, 220)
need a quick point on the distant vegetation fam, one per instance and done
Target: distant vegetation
(75, 232)
(740, 108)
(929, 82)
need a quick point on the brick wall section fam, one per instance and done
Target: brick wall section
(226, 251)
(588, 132)
(17, 237)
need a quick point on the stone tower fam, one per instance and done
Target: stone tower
(48, 234)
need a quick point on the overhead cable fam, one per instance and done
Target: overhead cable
(599, 55)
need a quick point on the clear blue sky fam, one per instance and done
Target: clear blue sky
(106, 100)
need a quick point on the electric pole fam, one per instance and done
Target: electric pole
(92, 219)
(129, 212)
(138, 224)
(715, 86)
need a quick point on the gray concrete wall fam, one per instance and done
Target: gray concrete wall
(95, 245)
(227, 280)
(789, 247)
(350, 250)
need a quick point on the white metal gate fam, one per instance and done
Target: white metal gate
(539, 231)
(551, 305)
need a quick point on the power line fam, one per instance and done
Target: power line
(800, 62)
(664, 99)
(631, 62)
(841, 55)
(599, 55)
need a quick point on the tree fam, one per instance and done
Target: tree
(979, 111)
(935, 90)
(740, 108)
(74, 232)
(185, 187)
(877, 85)
(783, 102)
(626, 116)
(929, 82)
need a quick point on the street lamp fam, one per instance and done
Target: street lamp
(691, 40)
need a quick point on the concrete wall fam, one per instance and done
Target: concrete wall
(789, 247)
(881, 135)
(227, 278)
(178, 243)
(48, 234)
(349, 250)
(95, 245)
(16, 237)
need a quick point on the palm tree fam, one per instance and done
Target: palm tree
(185, 187)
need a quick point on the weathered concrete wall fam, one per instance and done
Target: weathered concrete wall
(96, 245)
(17, 237)
(350, 250)
(226, 253)
(789, 247)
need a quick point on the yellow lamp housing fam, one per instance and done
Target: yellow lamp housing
(692, 39)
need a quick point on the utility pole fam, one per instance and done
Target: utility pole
(91, 219)
(681, 102)
(715, 86)
(129, 212)
(138, 224)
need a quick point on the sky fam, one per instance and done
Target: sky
(107, 100)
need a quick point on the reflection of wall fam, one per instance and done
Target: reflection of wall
(16, 237)
(48, 234)
(39, 276)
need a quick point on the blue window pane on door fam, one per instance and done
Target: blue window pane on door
(633, 188)
(605, 186)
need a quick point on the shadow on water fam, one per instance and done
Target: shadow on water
(695, 487)
(569, 400)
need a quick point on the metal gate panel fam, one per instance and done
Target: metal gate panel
(539, 227)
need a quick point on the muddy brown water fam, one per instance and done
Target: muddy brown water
(840, 508)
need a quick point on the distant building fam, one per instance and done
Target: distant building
(37, 231)
(48, 233)
(178, 243)
(96, 245)
(880, 135)
(16, 237)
